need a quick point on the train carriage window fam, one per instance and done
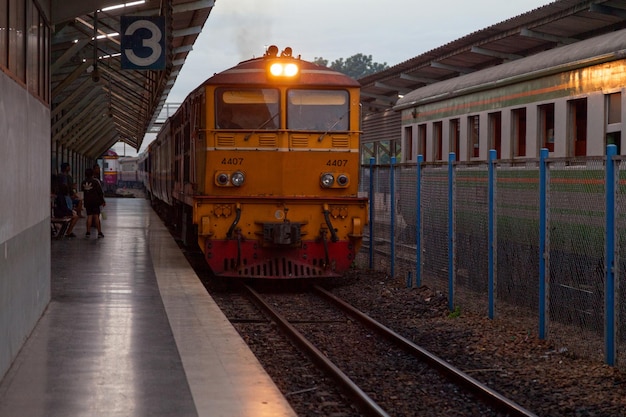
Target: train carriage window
(546, 126)
(577, 127)
(408, 142)
(438, 141)
(421, 141)
(455, 136)
(319, 110)
(614, 108)
(518, 131)
(255, 108)
(495, 133)
(614, 120)
(473, 126)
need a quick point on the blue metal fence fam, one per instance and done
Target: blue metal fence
(536, 239)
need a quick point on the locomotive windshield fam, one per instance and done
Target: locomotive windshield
(255, 108)
(319, 110)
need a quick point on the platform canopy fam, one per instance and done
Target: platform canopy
(96, 103)
(561, 22)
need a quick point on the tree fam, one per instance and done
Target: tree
(357, 66)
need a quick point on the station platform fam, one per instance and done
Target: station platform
(131, 331)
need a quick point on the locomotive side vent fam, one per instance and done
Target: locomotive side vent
(298, 141)
(341, 141)
(267, 141)
(226, 140)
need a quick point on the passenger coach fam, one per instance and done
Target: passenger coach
(568, 100)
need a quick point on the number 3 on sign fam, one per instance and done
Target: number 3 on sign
(143, 42)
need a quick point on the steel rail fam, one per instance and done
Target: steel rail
(363, 401)
(493, 397)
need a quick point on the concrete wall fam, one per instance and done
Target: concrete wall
(24, 216)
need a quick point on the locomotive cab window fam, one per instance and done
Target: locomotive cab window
(256, 109)
(319, 110)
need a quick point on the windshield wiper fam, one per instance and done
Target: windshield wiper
(323, 135)
(261, 126)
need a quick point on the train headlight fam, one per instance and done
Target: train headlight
(222, 178)
(284, 70)
(327, 180)
(237, 179)
(276, 69)
(291, 70)
(343, 180)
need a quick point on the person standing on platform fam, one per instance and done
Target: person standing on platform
(96, 173)
(94, 198)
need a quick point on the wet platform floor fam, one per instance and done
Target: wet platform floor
(131, 331)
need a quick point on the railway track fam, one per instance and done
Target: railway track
(379, 371)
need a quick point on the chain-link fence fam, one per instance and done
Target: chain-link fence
(526, 241)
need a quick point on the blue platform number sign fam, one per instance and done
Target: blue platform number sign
(143, 42)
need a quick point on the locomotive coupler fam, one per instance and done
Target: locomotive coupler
(285, 233)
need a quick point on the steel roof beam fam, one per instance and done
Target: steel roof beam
(91, 143)
(546, 37)
(182, 49)
(421, 80)
(385, 99)
(73, 76)
(462, 70)
(495, 54)
(608, 10)
(193, 6)
(67, 55)
(107, 36)
(193, 30)
(67, 122)
(106, 143)
(83, 125)
(392, 88)
(69, 100)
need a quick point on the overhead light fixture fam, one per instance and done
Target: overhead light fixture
(119, 6)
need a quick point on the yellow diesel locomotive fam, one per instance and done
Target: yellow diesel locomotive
(260, 164)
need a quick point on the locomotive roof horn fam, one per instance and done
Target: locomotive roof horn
(272, 51)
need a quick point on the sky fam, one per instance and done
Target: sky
(391, 32)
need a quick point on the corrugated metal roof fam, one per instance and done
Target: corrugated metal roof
(90, 114)
(559, 23)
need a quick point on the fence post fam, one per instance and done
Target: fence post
(609, 298)
(392, 219)
(542, 241)
(493, 155)
(372, 207)
(418, 223)
(451, 159)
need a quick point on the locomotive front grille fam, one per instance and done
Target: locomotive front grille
(283, 268)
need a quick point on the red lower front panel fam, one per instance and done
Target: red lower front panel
(230, 258)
